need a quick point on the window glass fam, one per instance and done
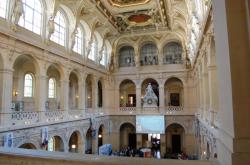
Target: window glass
(78, 42)
(60, 29)
(32, 17)
(3, 8)
(28, 85)
(52, 88)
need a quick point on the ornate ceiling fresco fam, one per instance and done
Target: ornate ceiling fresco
(127, 3)
(178, 20)
(135, 14)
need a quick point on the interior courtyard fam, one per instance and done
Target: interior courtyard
(102, 81)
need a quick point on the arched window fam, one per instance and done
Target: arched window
(78, 41)
(126, 56)
(172, 53)
(52, 88)
(32, 18)
(60, 29)
(104, 56)
(92, 54)
(149, 54)
(3, 8)
(28, 85)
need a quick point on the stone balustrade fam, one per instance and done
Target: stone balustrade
(128, 109)
(174, 108)
(15, 156)
(32, 117)
(27, 117)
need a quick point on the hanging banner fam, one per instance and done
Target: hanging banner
(45, 137)
(8, 139)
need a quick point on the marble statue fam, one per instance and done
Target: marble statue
(17, 13)
(51, 27)
(150, 99)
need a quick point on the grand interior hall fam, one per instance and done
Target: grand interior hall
(125, 82)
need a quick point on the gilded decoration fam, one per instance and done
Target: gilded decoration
(127, 3)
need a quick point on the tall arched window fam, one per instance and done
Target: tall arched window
(28, 85)
(52, 88)
(32, 18)
(104, 56)
(78, 41)
(126, 56)
(93, 50)
(149, 54)
(3, 8)
(60, 29)
(172, 53)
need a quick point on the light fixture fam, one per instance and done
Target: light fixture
(122, 97)
(73, 146)
(15, 93)
(77, 96)
(100, 136)
(89, 97)
(204, 152)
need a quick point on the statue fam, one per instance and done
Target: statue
(100, 55)
(73, 39)
(17, 13)
(150, 99)
(51, 27)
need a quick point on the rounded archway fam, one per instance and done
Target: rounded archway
(75, 142)
(28, 146)
(127, 135)
(126, 56)
(100, 135)
(175, 138)
(155, 87)
(24, 83)
(88, 143)
(173, 90)
(172, 53)
(73, 91)
(53, 88)
(55, 143)
(149, 54)
(127, 93)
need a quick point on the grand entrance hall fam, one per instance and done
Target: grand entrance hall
(124, 82)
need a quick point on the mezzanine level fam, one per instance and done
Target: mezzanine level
(27, 118)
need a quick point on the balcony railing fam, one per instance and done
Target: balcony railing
(128, 109)
(25, 118)
(28, 117)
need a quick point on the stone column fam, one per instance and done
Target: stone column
(163, 145)
(205, 88)
(138, 97)
(231, 22)
(65, 92)
(117, 98)
(138, 141)
(161, 98)
(137, 56)
(95, 94)
(41, 94)
(200, 92)
(82, 93)
(6, 96)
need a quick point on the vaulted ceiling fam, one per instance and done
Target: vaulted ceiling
(136, 18)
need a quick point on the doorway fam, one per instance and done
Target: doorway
(176, 143)
(132, 140)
